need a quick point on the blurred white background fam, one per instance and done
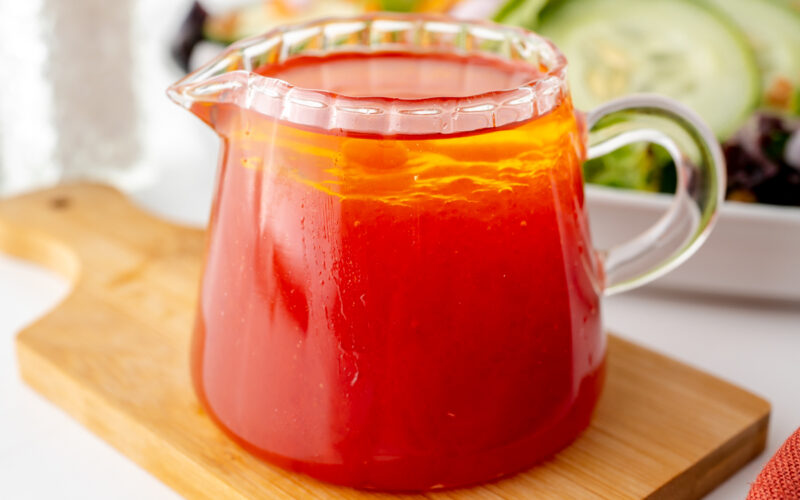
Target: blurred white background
(83, 96)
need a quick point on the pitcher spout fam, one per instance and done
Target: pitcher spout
(220, 81)
(187, 92)
(230, 78)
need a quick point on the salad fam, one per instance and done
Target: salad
(735, 62)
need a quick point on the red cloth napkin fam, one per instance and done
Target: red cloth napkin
(780, 478)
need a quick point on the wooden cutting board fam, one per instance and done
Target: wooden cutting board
(114, 354)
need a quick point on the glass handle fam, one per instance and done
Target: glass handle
(700, 184)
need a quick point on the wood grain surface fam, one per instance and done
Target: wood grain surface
(114, 355)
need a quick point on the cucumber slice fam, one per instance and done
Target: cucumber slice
(524, 13)
(677, 48)
(773, 29)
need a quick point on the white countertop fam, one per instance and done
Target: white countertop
(46, 454)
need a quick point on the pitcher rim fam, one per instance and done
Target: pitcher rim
(231, 77)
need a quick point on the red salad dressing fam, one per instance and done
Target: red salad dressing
(399, 313)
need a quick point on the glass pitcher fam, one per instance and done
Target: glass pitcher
(400, 291)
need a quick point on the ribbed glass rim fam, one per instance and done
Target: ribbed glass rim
(231, 78)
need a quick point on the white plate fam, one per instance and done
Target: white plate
(753, 251)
